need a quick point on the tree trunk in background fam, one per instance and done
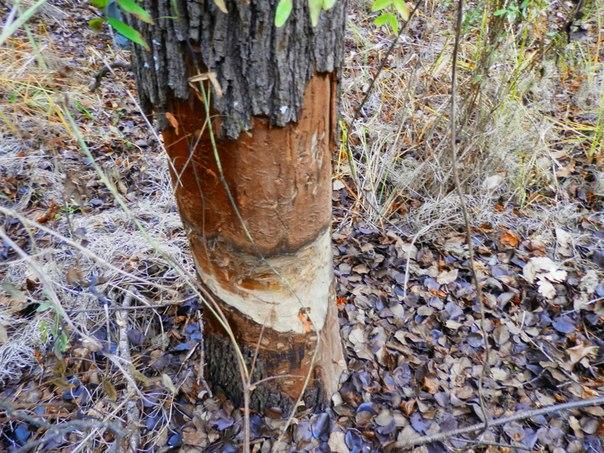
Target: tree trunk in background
(275, 120)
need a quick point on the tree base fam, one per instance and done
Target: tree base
(278, 355)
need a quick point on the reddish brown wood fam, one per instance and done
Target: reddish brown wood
(280, 179)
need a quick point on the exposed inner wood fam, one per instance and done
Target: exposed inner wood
(279, 176)
(280, 181)
(286, 355)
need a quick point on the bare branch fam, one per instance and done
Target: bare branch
(466, 217)
(502, 421)
(60, 429)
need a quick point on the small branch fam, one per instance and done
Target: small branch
(60, 429)
(132, 411)
(493, 444)
(131, 308)
(502, 421)
(106, 70)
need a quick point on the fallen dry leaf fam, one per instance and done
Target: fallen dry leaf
(579, 352)
(431, 385)
(50, 213)
(509, 238)
(446, 277)
(546, 289)
(544, 267)
(173, 122)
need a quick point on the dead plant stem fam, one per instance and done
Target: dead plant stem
(466, 216)
(522, 415)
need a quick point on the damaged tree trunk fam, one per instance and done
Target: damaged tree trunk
(257, 205)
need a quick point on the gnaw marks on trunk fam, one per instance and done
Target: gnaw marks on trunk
(276, 119)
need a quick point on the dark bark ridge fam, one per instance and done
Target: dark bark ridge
(262, 70)
(222, 373)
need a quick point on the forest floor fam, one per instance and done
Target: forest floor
(531, 135)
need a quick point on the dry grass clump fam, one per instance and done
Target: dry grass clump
(84, 282)
(46, 177)
(530, 111)
(93, 254)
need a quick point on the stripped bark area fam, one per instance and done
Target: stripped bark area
(262, 70)
(280, 179)
(273, 108)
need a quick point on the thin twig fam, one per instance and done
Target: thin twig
(466, 217)
(502, 421)
(132, 410)
(108, 69)
(53, 431)
(493, 444)
(131, 308)
(253, 385)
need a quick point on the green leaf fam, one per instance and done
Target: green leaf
(221, 6)
(382, 19)
(96, 24)
(378, 5)
(393, 22)
(130, 6)
(62, 342)
(314, 9)
(387, 19)
(284, 9)
(99, 3)
(43, 306)
(127, 32)
(328, 4)
(402, 9)
(44, 331)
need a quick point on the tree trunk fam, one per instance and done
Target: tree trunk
(268, 178)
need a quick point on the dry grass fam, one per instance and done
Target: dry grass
(39, 154)
(517, 139)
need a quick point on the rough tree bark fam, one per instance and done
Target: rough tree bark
(274, 113)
